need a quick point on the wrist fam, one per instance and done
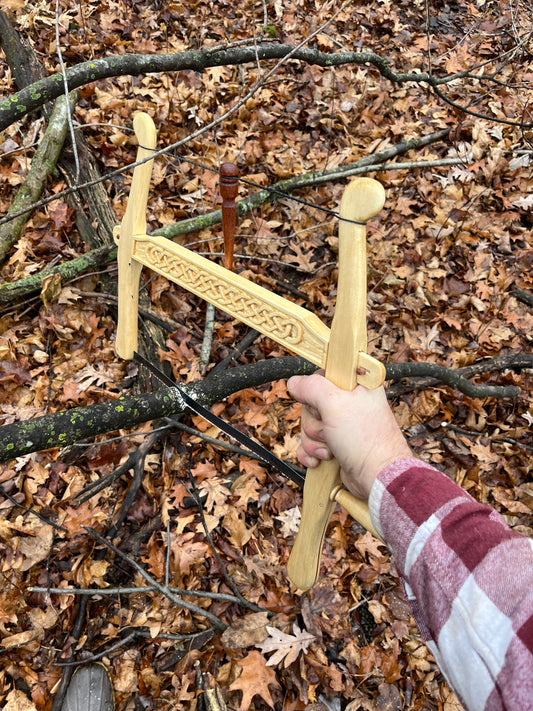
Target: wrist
(361, 481)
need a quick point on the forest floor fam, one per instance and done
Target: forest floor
(446, 258)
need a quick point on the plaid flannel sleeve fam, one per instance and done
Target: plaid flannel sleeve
(469, 579)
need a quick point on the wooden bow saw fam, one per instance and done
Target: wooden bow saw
(341, 351)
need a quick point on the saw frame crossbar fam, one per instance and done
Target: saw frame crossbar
(341, 350)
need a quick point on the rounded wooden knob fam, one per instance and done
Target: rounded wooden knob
(229, 181)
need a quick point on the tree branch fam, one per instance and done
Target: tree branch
(427, 375)
(215, 621)
(13, 291)
(371, 163)
(26, 100)
(42, 165)
(10, 292)
(63, 428)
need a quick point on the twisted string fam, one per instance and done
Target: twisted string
(274, 191)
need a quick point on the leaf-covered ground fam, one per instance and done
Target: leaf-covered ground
(445, 259)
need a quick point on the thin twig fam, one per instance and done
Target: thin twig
(265, 194)
(167, 557)
(32, 511)
(95, 657)
(8, 580)
(220, 443)
(238, 350)
(161, 588)
(493, 437)
(205, 351)
(130, 637)
(136, 591)
(138, 474)
(476, 114)
(107, 480)
(195, 495)
(160, 319)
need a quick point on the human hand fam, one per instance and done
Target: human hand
(356, 427)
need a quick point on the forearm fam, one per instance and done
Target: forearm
(469, 579)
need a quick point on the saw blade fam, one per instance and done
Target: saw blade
(264, 454)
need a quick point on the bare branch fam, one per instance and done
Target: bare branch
(215, 621)
(33, 97)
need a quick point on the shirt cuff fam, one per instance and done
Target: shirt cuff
(392, 471)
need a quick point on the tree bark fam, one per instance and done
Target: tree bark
(42, 165)
(63, 428)
(31, 98)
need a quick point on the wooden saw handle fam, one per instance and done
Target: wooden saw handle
(362, 200)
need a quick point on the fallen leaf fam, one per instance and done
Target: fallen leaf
(290, 521)
(18, 701)
(215, 491)
(35, 549)
(21, 639)
(246, 631)
(50, 289)
(526, 202)
(235, 524)
(255, 679)
(285, 646)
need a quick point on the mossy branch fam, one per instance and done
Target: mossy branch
(16, 290)
(42, 165)
(34, 96)
(64, 428)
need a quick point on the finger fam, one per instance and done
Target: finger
(312, 459)
(312, 425)
(317, 450)
(310, 390)
(306, 460)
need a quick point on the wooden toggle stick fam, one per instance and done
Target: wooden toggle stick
(229, 187)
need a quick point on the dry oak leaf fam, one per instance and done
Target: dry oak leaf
(215, 491)
(34, 549)
(290, 521)
(93, 376)
(255, 679)
(187, 552)
(285, 646)
(246, 631)
(18, 701)
(247, 488)
(371, 545)
(235, 524)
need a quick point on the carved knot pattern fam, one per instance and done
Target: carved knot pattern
(246, 307)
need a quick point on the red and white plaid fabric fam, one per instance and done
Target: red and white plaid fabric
(469, 579)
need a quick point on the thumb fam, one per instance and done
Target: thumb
(311, 390)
